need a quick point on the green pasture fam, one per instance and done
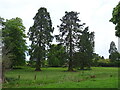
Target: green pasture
(104, 77)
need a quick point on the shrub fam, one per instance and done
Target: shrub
(108, 63)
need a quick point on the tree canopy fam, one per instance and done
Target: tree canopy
(13, 33)
(114, 54)
(116, 19)
(40, 34)
(69, 29)
(56, 55)
(85, 45)
(112, 48)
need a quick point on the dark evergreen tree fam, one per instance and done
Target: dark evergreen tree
(114, 55)
(68, 34)
(85, 47)
(102, 57)
(40, 34)
(112, 48)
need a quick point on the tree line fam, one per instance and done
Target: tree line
(75, 48)
(74, 41)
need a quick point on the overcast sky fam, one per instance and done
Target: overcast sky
(95, 13)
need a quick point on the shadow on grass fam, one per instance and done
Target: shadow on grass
(69, 71)
(14, 68)
(84, 69)
(11, 79)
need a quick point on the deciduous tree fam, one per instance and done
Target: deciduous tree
(57, 55)
(13, 33)
(116, 19)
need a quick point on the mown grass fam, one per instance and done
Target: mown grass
(106, 77)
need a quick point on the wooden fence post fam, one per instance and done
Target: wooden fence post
(35, 77)
(18, 76)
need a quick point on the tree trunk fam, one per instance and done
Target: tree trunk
(82, 67)
(38, 65)
(89, 66)
(70, 68)
(3, 73)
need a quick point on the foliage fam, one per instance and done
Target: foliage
(95, 59)
(13, 43)
(104, 61)
(31, 63)
(5, 61)
(41, 35)
(102, 57)
(69, 29)
(14, 40)
(107, 63)
(114, 54)
(113, 48)
(56, 55)
(85, 47)
(114, 57)
(116, 19)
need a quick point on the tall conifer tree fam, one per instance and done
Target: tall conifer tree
(40, 34)
(69, 29)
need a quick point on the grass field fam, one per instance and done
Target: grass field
(105, 77)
